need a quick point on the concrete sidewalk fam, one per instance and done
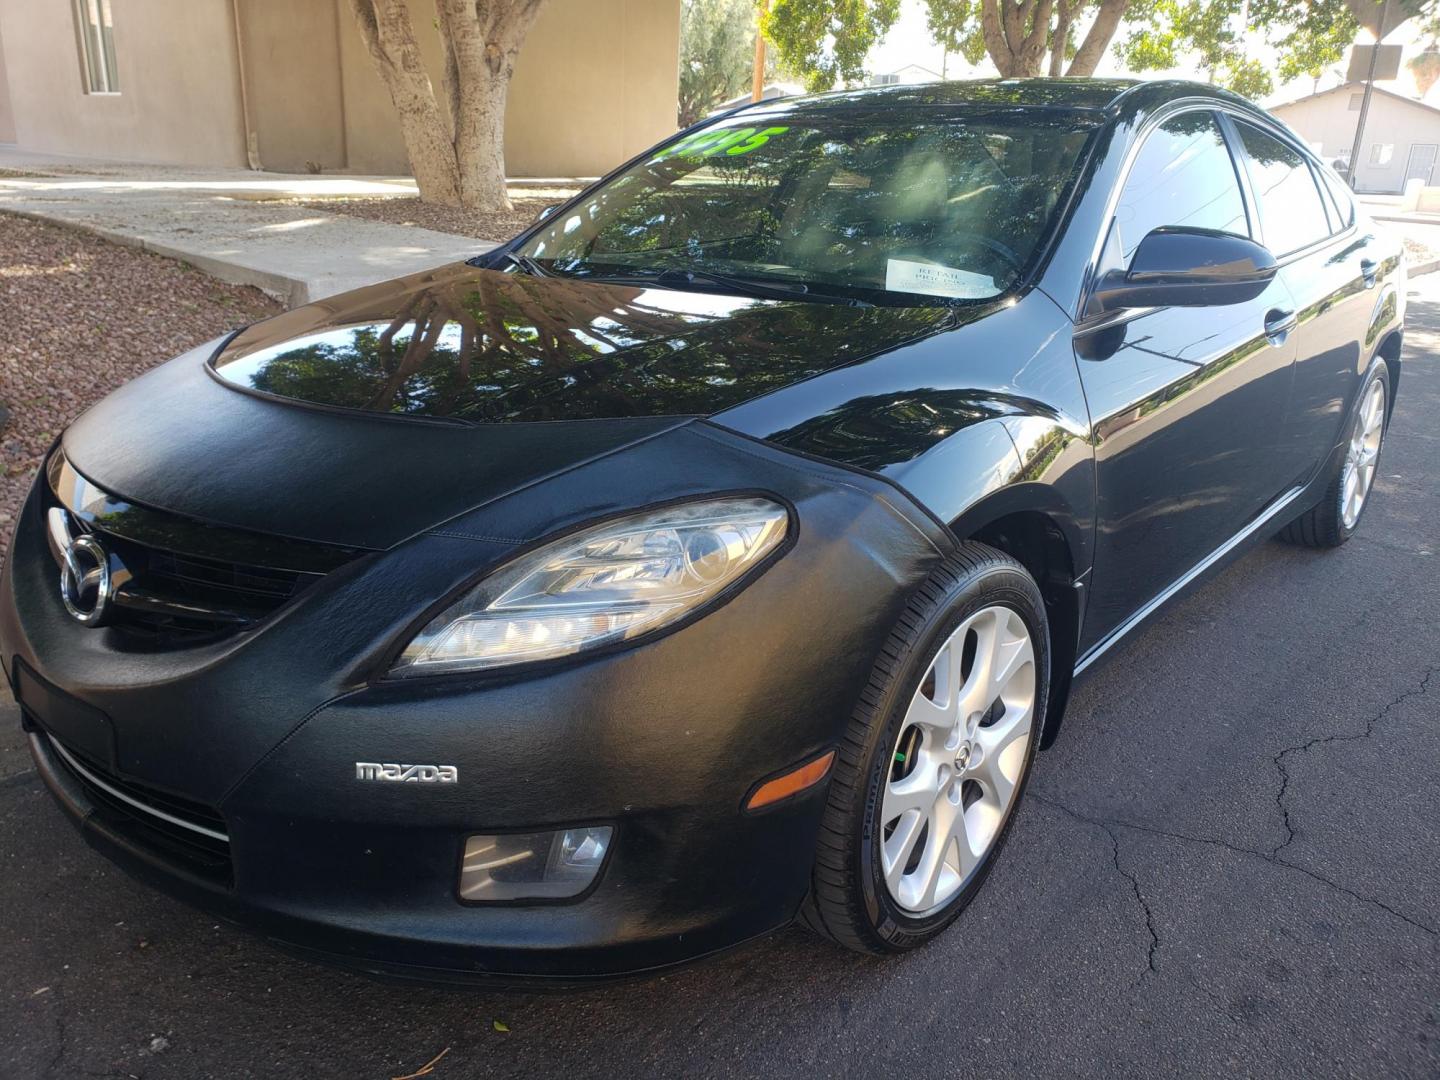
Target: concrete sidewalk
(232, 223)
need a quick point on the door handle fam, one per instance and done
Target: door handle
(1278, 324)
(1369, 270)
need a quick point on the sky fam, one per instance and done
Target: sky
(908, 42)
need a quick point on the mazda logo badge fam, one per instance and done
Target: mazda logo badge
(85, 584)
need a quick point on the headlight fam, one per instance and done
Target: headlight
(604, 584)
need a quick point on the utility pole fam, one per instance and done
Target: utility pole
(1365, 100)
(757, 81)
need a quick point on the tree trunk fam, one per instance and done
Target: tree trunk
(1061, 38)
(387, 33)
(459, 159)
(1092, 49)
(1015, 34)
(483, 39)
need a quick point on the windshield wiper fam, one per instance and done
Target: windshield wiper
(764, 288)
(525, 263)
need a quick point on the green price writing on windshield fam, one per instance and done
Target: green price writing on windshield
(729, 141)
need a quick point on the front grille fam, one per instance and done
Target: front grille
(178, 581)
(182, 830)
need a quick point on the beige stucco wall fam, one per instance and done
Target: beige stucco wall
(1328, 126)
(292, 66)
(179, 95)
(596, 83)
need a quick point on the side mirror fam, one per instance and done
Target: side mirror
(1178, 266)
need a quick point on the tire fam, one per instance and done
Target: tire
(980, 591)
(1332, 521)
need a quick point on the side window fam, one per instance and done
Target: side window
(1292, 213)
(1183, 175)
(1340, 196)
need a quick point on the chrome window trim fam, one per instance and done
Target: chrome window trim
(116, 793)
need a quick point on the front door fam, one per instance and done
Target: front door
(1186, 403)
(1421, 163)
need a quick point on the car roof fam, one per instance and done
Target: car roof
(1110, 96)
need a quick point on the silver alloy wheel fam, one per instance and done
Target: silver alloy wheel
(1360, 457)
(957, 759)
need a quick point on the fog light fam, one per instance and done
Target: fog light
(533, 866)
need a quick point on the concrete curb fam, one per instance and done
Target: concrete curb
(292, 291)
(273, 275)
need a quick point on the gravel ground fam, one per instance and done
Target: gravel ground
(446, 219)
(83, 316)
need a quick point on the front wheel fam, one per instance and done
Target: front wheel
(935, 757)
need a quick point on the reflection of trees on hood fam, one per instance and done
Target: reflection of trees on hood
(491, 346)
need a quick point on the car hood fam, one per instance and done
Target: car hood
(368, 417)
(480, 346)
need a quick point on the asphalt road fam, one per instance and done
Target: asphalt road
(1229, 864)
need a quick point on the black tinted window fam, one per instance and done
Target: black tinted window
(1292, 214)
(896, 205)
(1182, 175)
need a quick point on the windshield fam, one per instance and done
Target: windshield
(890, 208)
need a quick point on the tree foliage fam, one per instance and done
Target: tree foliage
(825, 41)
(1425, 67)
(1028, 37)
(1309, 37)
(1031, 37)
(717, 56)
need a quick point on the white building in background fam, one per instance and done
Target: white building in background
(910, 73)
(1402, 135)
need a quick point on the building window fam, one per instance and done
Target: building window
(890, 79)
(96, 27)
(1381, 153)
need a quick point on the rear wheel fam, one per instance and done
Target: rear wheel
(935, 758)
(1334, 519)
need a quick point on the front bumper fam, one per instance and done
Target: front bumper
(663, 741)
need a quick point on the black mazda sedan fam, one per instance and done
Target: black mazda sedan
(716, 554)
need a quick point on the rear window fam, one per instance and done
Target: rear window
(1340, 199)
(1292, 212)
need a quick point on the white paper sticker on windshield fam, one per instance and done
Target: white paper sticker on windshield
(901, 275)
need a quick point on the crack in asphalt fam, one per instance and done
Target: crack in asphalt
(24, 776)
(1322, 740)
(62, 1043)
(1150, 968)
(1264, 856)
(1276, 855)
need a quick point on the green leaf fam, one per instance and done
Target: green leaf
(826, 41)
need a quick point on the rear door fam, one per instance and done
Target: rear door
(1186, 402)
(1330, 267)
